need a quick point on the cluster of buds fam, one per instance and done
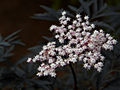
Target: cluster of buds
(78, 41)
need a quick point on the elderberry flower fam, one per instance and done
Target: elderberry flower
(29, 60)
(78, 40)
(78, 16)
(63, 13)
(86, 17)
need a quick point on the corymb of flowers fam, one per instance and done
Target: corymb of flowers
(78, 41)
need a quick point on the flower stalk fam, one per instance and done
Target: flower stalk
(74, 76)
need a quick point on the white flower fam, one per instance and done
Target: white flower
(39, 74)
(79, 19)
(90, 45)
(29, 60)
(78, 29)
(78, 24)
(87, 22)
(101, 30)
(96, 66)
(96, 32)
(85, 60)
(73, 60)
(89, 54)
(64, 13)
(53, 65)
(83, 33)
(57, 36)
(41, 69)
(70, 27)
(64, 22)
(100, 64)
(52, 27)
(43, 64)
(110, 38)
(62, 63)
(92, 25)
(61, 40)
(84, 47)
(57, 62)
(89, 28)
(62, 34)
(74, 22)
(107, 35)
(110, 47)
(99, 69)
(102, 58)
(44, 47)
(109, 42)
(77, 34)
(83, 24)
(78, 16)
(69, 37)
(114, 41)
(92, 61)
(68, 19)
(34, 60)
(85, 65)
(46, 73)
(105, 46)
(52, 53)
(86, 17)
(50, 60)
(53, 74)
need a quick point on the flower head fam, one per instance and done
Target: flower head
(79, 41)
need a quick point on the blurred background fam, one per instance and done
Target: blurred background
(16, 15)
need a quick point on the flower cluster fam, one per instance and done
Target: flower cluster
(78, 41)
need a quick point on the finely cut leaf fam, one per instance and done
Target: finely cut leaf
(44, 16)
(48, 38)
(11, 35)
(103, 24)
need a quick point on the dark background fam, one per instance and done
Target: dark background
(16, 14)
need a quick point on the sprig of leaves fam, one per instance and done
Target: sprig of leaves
(8, 44)
(97, 10)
